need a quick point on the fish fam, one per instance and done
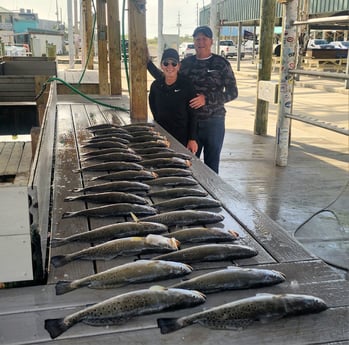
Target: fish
(120, 156)
(162, 172)
(119, 134)
(109, 150)
(101, 126)
(146, 137)
(186, 203)
(173, 162)
(114, 139)
(139, 271)
(105, 144)
(111, 166)
(139, 127)
(247, 311)
(148, 150)
(167, 155)
(122, 209)
(186, 217)
(115, 186)
(173, 181)
(109, 198)
(102, 131)
(209, 252)
(128, 175)
(112, 232)
(201, 234)
(232, 278)
(153, 143)
(127, 246)
(170, 193)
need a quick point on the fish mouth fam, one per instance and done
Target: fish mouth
(234, 233)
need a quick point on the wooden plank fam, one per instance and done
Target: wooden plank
(5, 157)
(15, 158)
(330, 325)
(266, 232)
(65, 180)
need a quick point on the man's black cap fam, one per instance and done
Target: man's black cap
(205, 30)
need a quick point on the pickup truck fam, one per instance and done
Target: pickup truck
(228, 48)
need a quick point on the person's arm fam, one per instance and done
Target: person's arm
(152, 103)
(153, 70)
(230, 88)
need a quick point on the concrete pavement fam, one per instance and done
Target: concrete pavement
(310, 196)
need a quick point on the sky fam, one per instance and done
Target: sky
(175, 11)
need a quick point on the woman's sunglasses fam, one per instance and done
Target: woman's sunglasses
(166, 63)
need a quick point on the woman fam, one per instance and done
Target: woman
(169, 102)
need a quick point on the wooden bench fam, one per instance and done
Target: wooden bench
(322, 64)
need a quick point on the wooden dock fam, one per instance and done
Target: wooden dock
(24, 310)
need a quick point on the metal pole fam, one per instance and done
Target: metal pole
(214, 25)
(288, 62)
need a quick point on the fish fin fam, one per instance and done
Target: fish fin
(59, 260)
(134, 217)
(56, 242)
(168, 324)
(63, 286)
(56, 327)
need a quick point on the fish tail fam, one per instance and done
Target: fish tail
(70, 198)
(169, 324)
(68, 214)
(56, 327)
(63, 286)
(59, 260)
(57, 242)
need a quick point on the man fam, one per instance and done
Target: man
(215, 84)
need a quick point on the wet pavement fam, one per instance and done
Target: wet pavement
(309, 197)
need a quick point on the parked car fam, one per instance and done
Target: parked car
(319, 44)
(248, 46)
(186, 49)
(228, 48)
(341, 44)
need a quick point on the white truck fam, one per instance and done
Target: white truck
(228, 48)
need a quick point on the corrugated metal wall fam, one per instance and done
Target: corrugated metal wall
(249, 10)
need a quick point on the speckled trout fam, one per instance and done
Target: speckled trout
(210, 252)
(121, 308)
(139, 271)
(120, 247)
(112, 232)
(242, 313)
(232, 278)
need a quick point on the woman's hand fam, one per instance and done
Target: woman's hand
(192, 146)
(198, 101)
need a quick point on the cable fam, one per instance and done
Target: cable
(324, 209)
(78, 92)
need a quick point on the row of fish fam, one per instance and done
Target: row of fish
(150, 234)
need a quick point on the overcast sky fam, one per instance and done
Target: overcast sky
(183, 11)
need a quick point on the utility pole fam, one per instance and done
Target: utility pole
(179, 29)
(267, 21)
(214, 24)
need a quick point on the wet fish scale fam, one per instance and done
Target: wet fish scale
(123, 307)
(187, 217)
(241, 313)
(120, 247)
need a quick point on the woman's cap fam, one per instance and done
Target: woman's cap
(170, 54)
(205, 30)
